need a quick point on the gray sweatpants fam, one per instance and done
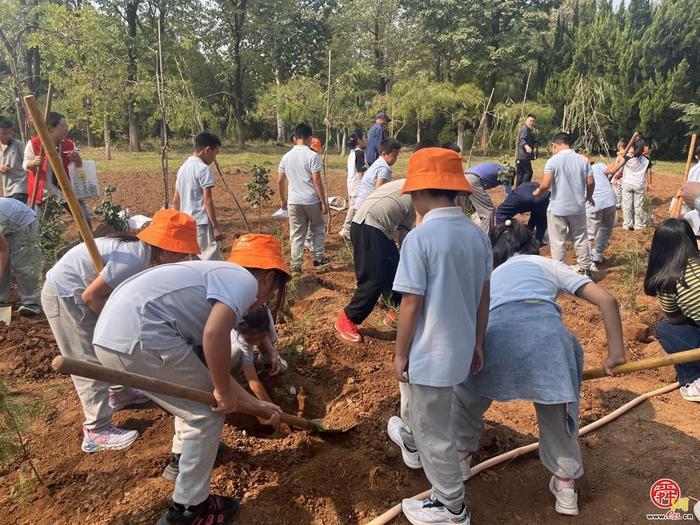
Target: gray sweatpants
(426, 410)
(303, 217)
(349, 215)
(600, 226)
(573, 227)
(482, 203)
(633, 213)
(73, 325)
(25, 264)
(197, 427)
(559, 448)
(207, 243)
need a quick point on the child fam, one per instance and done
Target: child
(545, 368)
(379, 172)
(444, 276)
(601, 215)
(20, 254)
(694, 173)
(356, 169)
(570, 178)
(74, 295)
(636, 181)
(375, 255)
(163, 314)
(306, 201)
(673, 274)
(194, 195)
(14, 176)
(614, 171)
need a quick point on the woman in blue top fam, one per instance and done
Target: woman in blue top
(545, 367)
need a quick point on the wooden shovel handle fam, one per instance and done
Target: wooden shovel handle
(646, 364)
(67, 365)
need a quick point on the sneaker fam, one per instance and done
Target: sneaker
(347, 329)
(172, 469)
(594, 267)
(111, 439)
(465, 466)
(566, 499)
(28, 310)
(393, 428)
(584, 271)
(691, 391)
(324, 260)
(126, 397)
(432, 512)
(391, 319)
(214, 509)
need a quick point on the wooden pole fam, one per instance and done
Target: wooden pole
(233, 196)
(327, 122)
(63, 181)
(476, 133)
(646, 364)
(678, 204)
(47, 110)
(160, 84)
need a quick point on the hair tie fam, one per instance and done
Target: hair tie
(509, 222)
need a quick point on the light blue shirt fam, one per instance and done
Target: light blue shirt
(571, 172)
(603, 195)
(298, 164)
(14, 215)
(446, 260)
(378, 170)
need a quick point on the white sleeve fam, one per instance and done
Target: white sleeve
(206, 179)
(28, 155)
(315, 163)
(549, 166)
(411, 275)
(568, 280)
(129, 259)
(234, 287)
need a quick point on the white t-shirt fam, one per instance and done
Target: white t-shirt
(192, 177)
(693, 219)
(353, 182)
(571, 172)
(694, 173)
(603, 194)
(532, 277)
(239, 344)
(634, 173)
(298, 164)
(167, 306)
(378, 170)
(74, 271)
(446, 260)
(14, 215)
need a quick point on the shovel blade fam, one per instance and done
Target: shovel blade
(320, 427)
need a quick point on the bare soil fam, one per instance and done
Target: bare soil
(302, 478)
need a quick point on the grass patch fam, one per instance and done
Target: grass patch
(632, 262)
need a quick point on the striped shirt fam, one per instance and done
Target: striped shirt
(686, 300)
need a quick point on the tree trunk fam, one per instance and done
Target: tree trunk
(460, 135)
(337, 139)
(484, 141)
(238, 105)
(345, 139)
(16, 86)
(107, 138)
(281, 131)
(132, 75)
(90, 135)
(417, 130)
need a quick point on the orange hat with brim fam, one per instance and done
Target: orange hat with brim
(173, 231)
(259, 250)
(316, 144)
(435, 169)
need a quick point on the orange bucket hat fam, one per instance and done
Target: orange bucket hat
(316, 144)
(259, 250)
(173, 231)
(435, 169)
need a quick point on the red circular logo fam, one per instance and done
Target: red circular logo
(664, 493)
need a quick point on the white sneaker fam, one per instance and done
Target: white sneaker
(432, 512)
(691, 391)
(566, 499)
(594, 267)
(465, 466)
(111, 439)
(393, 428)
(127, 397)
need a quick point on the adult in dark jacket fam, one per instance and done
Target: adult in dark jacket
(527, 146)
(521, 200)
(375, 136)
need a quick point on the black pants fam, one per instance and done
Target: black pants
(376, 259)
(523, 170)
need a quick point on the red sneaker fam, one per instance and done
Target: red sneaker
(391, 319)
(347, 329)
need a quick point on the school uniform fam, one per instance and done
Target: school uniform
(601, 216)
(356, 165)
(192, 178)
(484, 177)
(634, 183)
(19, 225)
(521, 200)
(14, 182)
(566, 215)
(162, 313)
(303, 202)
(446, 260)
(73, 323)
(694, 173)
(375, 254)
(546, 368)
(378, 170)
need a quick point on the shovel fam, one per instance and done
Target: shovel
(646, 364)
(67, 365)
(5, 314)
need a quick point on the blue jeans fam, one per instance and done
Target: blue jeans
(678, 338)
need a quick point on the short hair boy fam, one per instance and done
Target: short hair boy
(194, 195)
(14, 176)
(379, 172)
(444, 275)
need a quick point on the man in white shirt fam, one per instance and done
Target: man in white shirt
(379, 172)
(194, 196)
(305, 199)
(14, 176)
